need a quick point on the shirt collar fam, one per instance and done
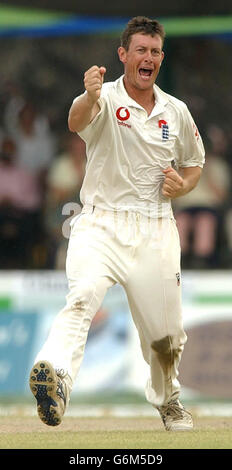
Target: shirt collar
(161, 98)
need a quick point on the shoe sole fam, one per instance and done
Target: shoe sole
(181, 428)
(43, 384)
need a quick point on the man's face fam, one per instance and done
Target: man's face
(142, 61)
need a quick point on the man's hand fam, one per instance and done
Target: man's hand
(176, 185)
(93, 80)
(85, 107)
(173, 183)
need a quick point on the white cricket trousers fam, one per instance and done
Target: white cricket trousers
(143, 255)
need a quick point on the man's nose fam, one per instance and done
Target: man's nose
(148, 57)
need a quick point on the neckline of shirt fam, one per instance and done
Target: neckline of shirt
(160, 99)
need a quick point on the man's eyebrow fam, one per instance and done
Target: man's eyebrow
(146, 47)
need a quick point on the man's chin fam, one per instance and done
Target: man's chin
(145, 85)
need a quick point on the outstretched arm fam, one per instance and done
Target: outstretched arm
(85, 107)
(177, 184)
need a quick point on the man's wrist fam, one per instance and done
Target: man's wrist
(186, 188)
(91, 101)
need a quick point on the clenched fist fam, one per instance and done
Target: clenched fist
(93, 80)
(173, 183)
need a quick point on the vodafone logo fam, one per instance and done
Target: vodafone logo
(122, 114)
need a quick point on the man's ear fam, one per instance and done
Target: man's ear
(122, 54)
(162, 57)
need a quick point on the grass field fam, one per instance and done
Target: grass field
(18, 432)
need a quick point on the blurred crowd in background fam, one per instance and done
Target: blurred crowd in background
(42, 164)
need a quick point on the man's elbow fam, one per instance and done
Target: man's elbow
(71, 128)
(71, 124)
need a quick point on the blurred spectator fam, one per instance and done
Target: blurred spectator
(219, 140)
(35, 142)
(228, 231)
(14, 103)
(64, 183)
(199, 213)
(20, 203)
(66, 175)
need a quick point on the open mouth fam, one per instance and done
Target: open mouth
(145, 72)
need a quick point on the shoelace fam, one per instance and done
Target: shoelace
(174, 409)
(61, 373)
(60, 387)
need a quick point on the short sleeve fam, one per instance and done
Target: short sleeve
(189, 146)
(95, 125)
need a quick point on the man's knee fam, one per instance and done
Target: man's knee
(162, 346)
(81, 295)
(169, 345)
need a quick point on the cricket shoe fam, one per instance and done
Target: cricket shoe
(175, 417)
(50, 390)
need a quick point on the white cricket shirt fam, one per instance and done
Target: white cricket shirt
(127, 150)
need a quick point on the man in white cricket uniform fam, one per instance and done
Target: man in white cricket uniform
(143, 149)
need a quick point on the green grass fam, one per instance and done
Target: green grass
(119, 440)
(113, 433)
